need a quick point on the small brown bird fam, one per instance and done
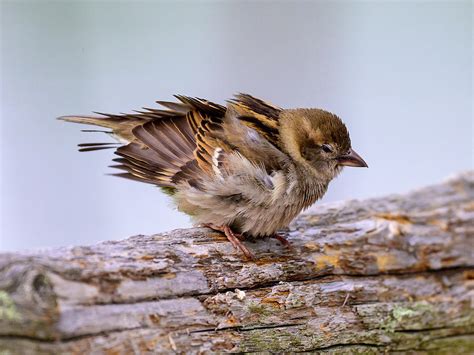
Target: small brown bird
(246, 169)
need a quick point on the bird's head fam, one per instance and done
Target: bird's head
(319, 140)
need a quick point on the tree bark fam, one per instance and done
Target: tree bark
(385, 274)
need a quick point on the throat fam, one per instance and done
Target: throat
(310, 187)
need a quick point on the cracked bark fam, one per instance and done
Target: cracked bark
(387, 274)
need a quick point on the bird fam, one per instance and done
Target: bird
(246, 169)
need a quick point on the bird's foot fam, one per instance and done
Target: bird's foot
(234, 239)
(282, 240)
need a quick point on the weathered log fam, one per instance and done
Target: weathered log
(385, 274)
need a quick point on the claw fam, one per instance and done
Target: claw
(282, 240)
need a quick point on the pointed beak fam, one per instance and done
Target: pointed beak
(352, 159)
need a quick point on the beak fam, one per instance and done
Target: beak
(352, 159)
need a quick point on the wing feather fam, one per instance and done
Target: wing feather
(259, 115)
(165, 148)
(181, 142)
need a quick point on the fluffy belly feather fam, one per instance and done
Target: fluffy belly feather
(255, 214)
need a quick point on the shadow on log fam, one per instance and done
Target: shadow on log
(385, 274)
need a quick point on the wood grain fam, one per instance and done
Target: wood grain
(386, 274)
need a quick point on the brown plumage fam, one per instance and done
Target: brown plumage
(246, 169)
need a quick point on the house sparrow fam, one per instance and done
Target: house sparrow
(246, 169)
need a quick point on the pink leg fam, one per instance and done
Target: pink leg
(282, 240)
(233, 239)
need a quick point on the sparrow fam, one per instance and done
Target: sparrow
(246, 169)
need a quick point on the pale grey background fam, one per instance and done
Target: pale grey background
(398, 73)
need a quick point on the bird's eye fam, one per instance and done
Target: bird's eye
(326, 148)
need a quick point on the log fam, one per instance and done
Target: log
(385, 274)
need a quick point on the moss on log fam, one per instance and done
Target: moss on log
(386, 274)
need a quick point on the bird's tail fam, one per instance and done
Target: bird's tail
(119, 127)
(105, 121)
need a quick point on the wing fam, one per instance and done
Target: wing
(159, 146)
(249, 128)
(189, 138)
(257, 114)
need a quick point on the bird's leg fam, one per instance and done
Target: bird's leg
(234, 239)
(237, 243)
(221, 229)
(282, 240)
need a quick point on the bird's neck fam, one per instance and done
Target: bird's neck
(310, 185)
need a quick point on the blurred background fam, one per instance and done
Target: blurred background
(398, 73)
